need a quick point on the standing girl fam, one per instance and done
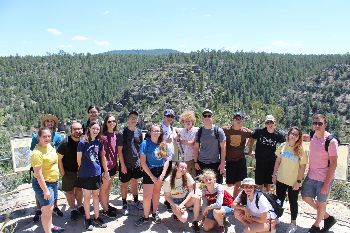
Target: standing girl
(289, 172)
(90, 158)
(217, 201)
(109, 141)
(155, 156)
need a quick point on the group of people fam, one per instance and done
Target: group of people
(91, 156)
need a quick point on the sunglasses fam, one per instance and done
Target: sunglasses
(207, 116)
(238, 118)
(169, 116)
(269, 122)
(113, 121)
(318, 123)
(294, 134)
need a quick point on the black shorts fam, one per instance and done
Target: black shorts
(157, 171)
(236, 171)
(111, 172)
(264, 171)
(89, 183)
(212, 166)
(68, 181)
(135, 173)
(170, 168)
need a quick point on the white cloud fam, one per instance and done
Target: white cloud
(80, 38)
(102, 43)
(106, 12)
(54, 31)
(65, 46)
(207, 15)
(280, 43)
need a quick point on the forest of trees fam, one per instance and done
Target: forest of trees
(292, 87)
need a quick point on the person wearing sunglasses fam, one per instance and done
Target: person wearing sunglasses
(210, 147)
(236, 166)
(267, 139)
(256, 217)
(109, 140)
(289, 172)
(322, 165)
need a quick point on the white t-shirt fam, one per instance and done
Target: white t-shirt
(188, 135)
(168, 133)
(264, 206)
(178, 191)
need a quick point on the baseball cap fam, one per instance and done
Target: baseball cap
(207, 111)
(133, 112)
(269, 118)
(169, 112)
(238, 114)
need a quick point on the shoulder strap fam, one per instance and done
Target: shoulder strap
(124, 135)
(257, 199)
(216, 132)
(199, 135)
(312, 132)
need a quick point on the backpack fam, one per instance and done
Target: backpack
(273, 200)
(328, 139)
(216, 133)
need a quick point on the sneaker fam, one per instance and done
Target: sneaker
(221, 229)
(56, 229)
(112, 208)
(156, 218)
(168, 206)
(109, 213)
(138, 205)
(141, 221)
(57, 211)
(175, 217)
(81, 210)
(292, 228)
(328, 223)
(125, 210)
(88, 224)
(74, 215)
(314, 229)
(195, 227)
(99, 222)
(37, 216)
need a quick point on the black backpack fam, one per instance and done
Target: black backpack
(328, 139)
(274, 201)
(216, 133)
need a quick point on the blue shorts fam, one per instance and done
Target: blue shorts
(311, 188)
(51, 186)
(228, 211)
(178, 201)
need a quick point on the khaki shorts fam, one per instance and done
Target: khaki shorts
(68, 181)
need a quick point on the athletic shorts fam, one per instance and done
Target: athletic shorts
(39, 194)
(212, 166)
(135, 173)
(68, 181)
(89, 183)
(264, 171)
(236, 171)
(112, 172)
(156, 171)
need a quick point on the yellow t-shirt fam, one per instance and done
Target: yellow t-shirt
(45, 157)
(289, 166)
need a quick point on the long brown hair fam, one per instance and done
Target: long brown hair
(104, 126)
(298, 147)
(88, 134)
(173, 177)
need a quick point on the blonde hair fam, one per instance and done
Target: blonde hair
(206, 172)
(162, 150)
(187, 115)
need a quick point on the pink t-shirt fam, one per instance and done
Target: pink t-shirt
(318, 158)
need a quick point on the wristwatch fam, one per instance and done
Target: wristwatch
(299, 181)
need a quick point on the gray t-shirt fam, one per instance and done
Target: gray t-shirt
(209, 148)
(130, 140)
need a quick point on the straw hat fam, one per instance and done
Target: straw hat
(49, 117)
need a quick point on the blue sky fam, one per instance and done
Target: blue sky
(296, 26)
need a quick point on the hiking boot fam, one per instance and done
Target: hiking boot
(195, 227)
(88, 224)
(109, 213)
(56, 229)
(112, 208)
(156, 218)
(168, 206)
(328, 223)
(221, 229)
(37, 216)
(138, 205)
(57, 211)
(141, 221)
(99, 222)
(291, 228)
(81, 210)
(314, 229)
(74, 215)
(125, 210)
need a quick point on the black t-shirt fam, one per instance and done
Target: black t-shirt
(266, 143)
(68, 148)
(130, 140)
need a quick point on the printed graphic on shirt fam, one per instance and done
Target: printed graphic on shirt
(135, 153)
(235, 140)
(268, 141)
(289, 155)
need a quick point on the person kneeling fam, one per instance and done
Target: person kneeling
(179, 192)
(256, 217)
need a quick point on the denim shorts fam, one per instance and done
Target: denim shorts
(178, 201)
(51, 186)
(228, 211)
(311, 188)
